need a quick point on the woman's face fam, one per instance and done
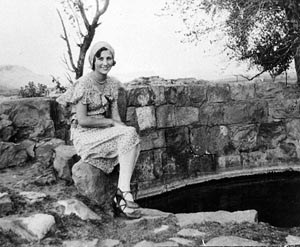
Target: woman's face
(104, 63)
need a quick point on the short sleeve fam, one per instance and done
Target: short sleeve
(80, 91)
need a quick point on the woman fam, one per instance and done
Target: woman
(98, 134)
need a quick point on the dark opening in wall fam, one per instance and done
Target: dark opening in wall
(275, 196)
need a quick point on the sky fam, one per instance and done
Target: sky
(146, 44)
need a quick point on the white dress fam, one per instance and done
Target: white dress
(99, 147)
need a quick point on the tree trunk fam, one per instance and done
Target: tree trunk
(297, 64)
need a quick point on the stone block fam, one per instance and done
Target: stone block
(197, 94)
(146, 117)
(165, 116)
(293, 129)
(229, 161)
(201, 165)
(269, 90)
(159, 95)
(186, 115)
(242, 91)
(140, 96)
(177, 139)
(144, 169)
(211, 114)
(65, 158)
(218, 93)
(244, 136)
(245, 112)
(153, 139)
(12, 154)
(211, 140)
(285, 108)
(255, 159)
(93, 183)
(178, 95)
(271, 134)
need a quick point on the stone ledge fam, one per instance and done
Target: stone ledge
(157, 190)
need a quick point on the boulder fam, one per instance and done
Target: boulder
(6, 128)
(93, 183)
(12, 154)
(65, 158)
(31, 117)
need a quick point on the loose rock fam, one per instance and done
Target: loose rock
(5, 203)
(161, 229)
(232, 241)
(33, 197)
(65, 158)
(31, 228)
(12, 154)
(81, 243)
(80, 209)
(109, 243)
(183, 241)
(189, 232)
(292, 240)
(218, 216)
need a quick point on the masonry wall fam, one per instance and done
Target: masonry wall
(191, 131)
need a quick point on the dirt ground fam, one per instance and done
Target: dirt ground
(71, 227)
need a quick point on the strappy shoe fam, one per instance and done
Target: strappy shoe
(120, 206)
(122, 194)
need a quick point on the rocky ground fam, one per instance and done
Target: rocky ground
(56, 215)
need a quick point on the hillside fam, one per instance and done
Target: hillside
(14, 77)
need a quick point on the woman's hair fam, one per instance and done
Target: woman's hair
(98, 54)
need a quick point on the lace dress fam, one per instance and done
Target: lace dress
(99, 147)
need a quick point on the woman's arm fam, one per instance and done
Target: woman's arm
(91, 122)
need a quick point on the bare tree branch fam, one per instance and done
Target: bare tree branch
(66, 39)
(99, 12)
(251, 78)
(76, 19)
(83, 15)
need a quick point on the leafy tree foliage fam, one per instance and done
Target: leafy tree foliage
(82, 17)
(266, 33)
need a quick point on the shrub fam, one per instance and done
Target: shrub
(31, 90)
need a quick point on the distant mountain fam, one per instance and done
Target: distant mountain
(14, 77)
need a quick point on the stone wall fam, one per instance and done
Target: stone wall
(191, 131)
